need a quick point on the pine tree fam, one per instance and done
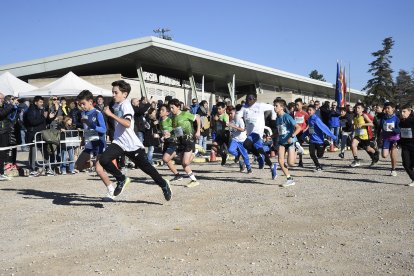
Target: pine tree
(381, 86)
(404, 87)
(316, 76)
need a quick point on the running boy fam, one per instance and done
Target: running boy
(125, 142)
(317, 129)
(301, 117)
(407, 141)
(238, 136)
(94, 129)
(222, 133)
(389, 131)
(346, 129)
(182, 123)
(361, 138)
(287, 129)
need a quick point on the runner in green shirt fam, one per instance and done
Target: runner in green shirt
(182, 123)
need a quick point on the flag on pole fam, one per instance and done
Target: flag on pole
(343, 89)
(339, 88)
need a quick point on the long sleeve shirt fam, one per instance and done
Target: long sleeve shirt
(316, 130)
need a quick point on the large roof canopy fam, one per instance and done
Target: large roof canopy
(10, 85)
(171, 59)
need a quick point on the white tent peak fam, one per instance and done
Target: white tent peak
(70, 85)
(11, 85)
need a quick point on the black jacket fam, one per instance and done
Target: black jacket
(5, 123)
(34, 121)
(139, 113)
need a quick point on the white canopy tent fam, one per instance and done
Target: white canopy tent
(67, 86)
(11, 85)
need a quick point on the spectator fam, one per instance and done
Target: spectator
(67, 150)
(13, 131)
(34, 121)
(325, 111)
(65, 108)
(22, 108)
(334, 121)
(6, 108)
(205, 124)
(55, 115)
(194, 106)
(75, 114)
(140, 109)
(151, 135)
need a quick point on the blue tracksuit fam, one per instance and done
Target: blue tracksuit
(316, 130)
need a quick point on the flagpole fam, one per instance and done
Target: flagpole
(349, 83)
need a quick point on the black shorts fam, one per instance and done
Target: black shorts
(362, 143)
(169, 147)
(185, 145)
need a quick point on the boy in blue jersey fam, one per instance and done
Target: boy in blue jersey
(287, 129)
(94, 130)
(316, 131)
(390, 130)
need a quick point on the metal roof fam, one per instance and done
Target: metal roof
(167, 58)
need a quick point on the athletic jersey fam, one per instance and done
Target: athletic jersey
(316, 130)
(301, 118)
(182, 123)
(254, 117)
(285, 126)
(220, 125)
(237, 135)
(407, 131)
(94, 129)
(390, 128)
(166, 124)
(360, 132)
(125, 137)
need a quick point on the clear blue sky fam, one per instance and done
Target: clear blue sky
(296, 36)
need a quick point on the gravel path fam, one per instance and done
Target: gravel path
(342, 221)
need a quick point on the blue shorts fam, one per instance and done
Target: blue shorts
(388, 144)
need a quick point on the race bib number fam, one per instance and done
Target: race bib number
(91, 135)
(359, 131)
(406, 133)
(388, 127)
(311, 130)
(282, 130)
(300, 120)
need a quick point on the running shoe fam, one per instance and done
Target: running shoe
(299, 148)
(177, 177)
(4, 177)
(63, 172)
(410, 184)
(300, 164)
(260, 160)
(355, 163)
(289, 182)
(167, 191)
(193, 183)
(342, 155)
(393, 173)
(273, 170)
(249, 171)
(241, 166)
(318, 169)
(121, 185)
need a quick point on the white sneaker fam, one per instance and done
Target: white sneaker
(355, 163)
(411, 184)
(393, 173)
(4, 177)
(299, 148)
(289, 182)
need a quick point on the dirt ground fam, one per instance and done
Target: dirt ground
(342, 221)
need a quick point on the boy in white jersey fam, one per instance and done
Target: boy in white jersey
(253, 114)
(125, 142)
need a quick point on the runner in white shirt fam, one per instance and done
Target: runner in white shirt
(238, 136)
(253, 115)
(125, 142)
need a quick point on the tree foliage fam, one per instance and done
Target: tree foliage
(404, 87)
(381, 86)
(316, 76)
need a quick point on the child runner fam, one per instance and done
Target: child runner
(182, 123)
(238, 136)
(125, 142)
(221, 119)
(407, 141)
(287, 130)
(94, 129)
(253, 114)
(169, 148)
(346, 129)
(301, 117)
(389, 131)
(361, 138)
(316, 131)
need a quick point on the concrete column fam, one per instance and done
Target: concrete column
(142, 81)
